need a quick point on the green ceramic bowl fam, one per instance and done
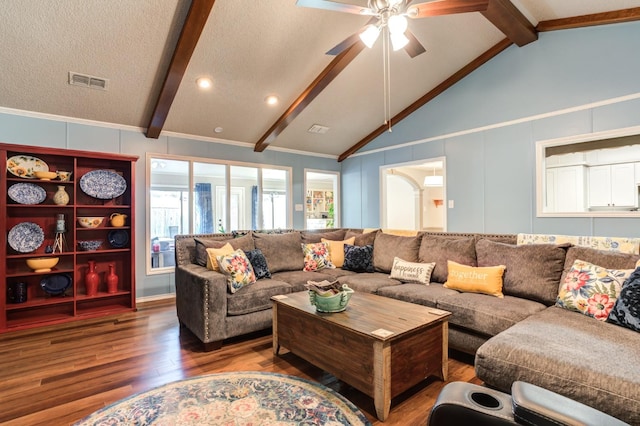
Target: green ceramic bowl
(335, 303)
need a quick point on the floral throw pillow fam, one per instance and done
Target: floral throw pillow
(316, 256)
(626, 311)
(358, 258)
(259, 263)
(591, 289)
(238, 269)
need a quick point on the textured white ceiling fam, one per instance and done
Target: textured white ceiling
(249, 48)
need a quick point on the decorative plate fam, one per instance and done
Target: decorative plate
(25, 237)
(25, 166)
(27, 193)
(118, 238)
(103, 184)
(56, 284)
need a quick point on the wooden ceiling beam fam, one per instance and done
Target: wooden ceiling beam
(508, 19)
(604, 18)
(459, 75)
(337, 65)
(190, 34)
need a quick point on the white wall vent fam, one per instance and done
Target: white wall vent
(316, 128)
(83, 80)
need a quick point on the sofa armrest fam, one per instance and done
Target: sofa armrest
(201, 301)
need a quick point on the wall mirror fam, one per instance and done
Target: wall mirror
(589, 175)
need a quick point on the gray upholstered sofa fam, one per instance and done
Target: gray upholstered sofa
(522, 336)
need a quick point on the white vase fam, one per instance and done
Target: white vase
(61, 197)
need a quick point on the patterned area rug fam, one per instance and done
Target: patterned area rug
(233, 399)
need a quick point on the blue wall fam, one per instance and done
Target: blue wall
(40, 131)
(487, 125)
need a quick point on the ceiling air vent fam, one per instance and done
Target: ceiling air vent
(83, 80)
(316, 128)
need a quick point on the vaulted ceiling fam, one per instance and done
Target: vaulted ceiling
(152, 51)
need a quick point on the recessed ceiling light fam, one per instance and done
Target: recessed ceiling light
(204, 82)
(271, 100)
(218, 129)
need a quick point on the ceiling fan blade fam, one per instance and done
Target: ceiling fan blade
(335, 6)
(414, 47)
(446, 7)
(349, 41)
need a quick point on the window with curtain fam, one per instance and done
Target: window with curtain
(188, 196)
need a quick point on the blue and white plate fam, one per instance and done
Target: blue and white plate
(25, 237)
(118, 238)
(56, 284)
(27, 193)
(25, 166)
(103, 184)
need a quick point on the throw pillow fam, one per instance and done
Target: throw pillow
(626, 310)
(411, 272)
(213, 253)
(440, 249)
(336, 250)
(237, 268)
(259, 263)
(362, 238)
(309, 237)
(316, 257)
(282, 251)
(481, 279)
(590, 289)
(244, 242)
(358, 259)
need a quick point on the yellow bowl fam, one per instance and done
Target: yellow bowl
(46, 175)
(42, 264)
(90, 221)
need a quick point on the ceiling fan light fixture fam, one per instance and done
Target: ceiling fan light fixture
(398, 40)
(370, 35)
(397, 24)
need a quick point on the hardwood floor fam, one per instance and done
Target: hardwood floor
(57, 375)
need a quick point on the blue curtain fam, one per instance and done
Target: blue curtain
(254, 207)
(204, 209)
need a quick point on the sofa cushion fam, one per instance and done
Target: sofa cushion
(361, 239)
(259, 263)
(358, 259)
(387, 246)
(309, 237)
(282, 251)
(532, 271)
(487, 314)
(368, 282)
(475, 279)
(255, 297)
(440, 249)
(336, 250)
(417, 293)
(411, 272)
(591, 290)
(316, 256)
(570, 354)
(244, 242)
(626, 311)
(238, 270)
(606, 259)
(297, 279)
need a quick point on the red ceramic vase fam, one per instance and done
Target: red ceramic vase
(92, 279)
(112, 279)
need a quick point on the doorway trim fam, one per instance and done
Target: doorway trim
(383, 187)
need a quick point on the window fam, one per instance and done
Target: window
(188, 196)
(322, 199)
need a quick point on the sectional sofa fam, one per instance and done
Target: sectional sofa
(521, 336)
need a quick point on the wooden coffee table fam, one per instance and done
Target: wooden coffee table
(378, 345)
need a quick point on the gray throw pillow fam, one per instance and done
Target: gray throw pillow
(282, 251)
(440, 249)
(386, 247)
(244, 242)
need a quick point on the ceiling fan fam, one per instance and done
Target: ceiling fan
(392, 15)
